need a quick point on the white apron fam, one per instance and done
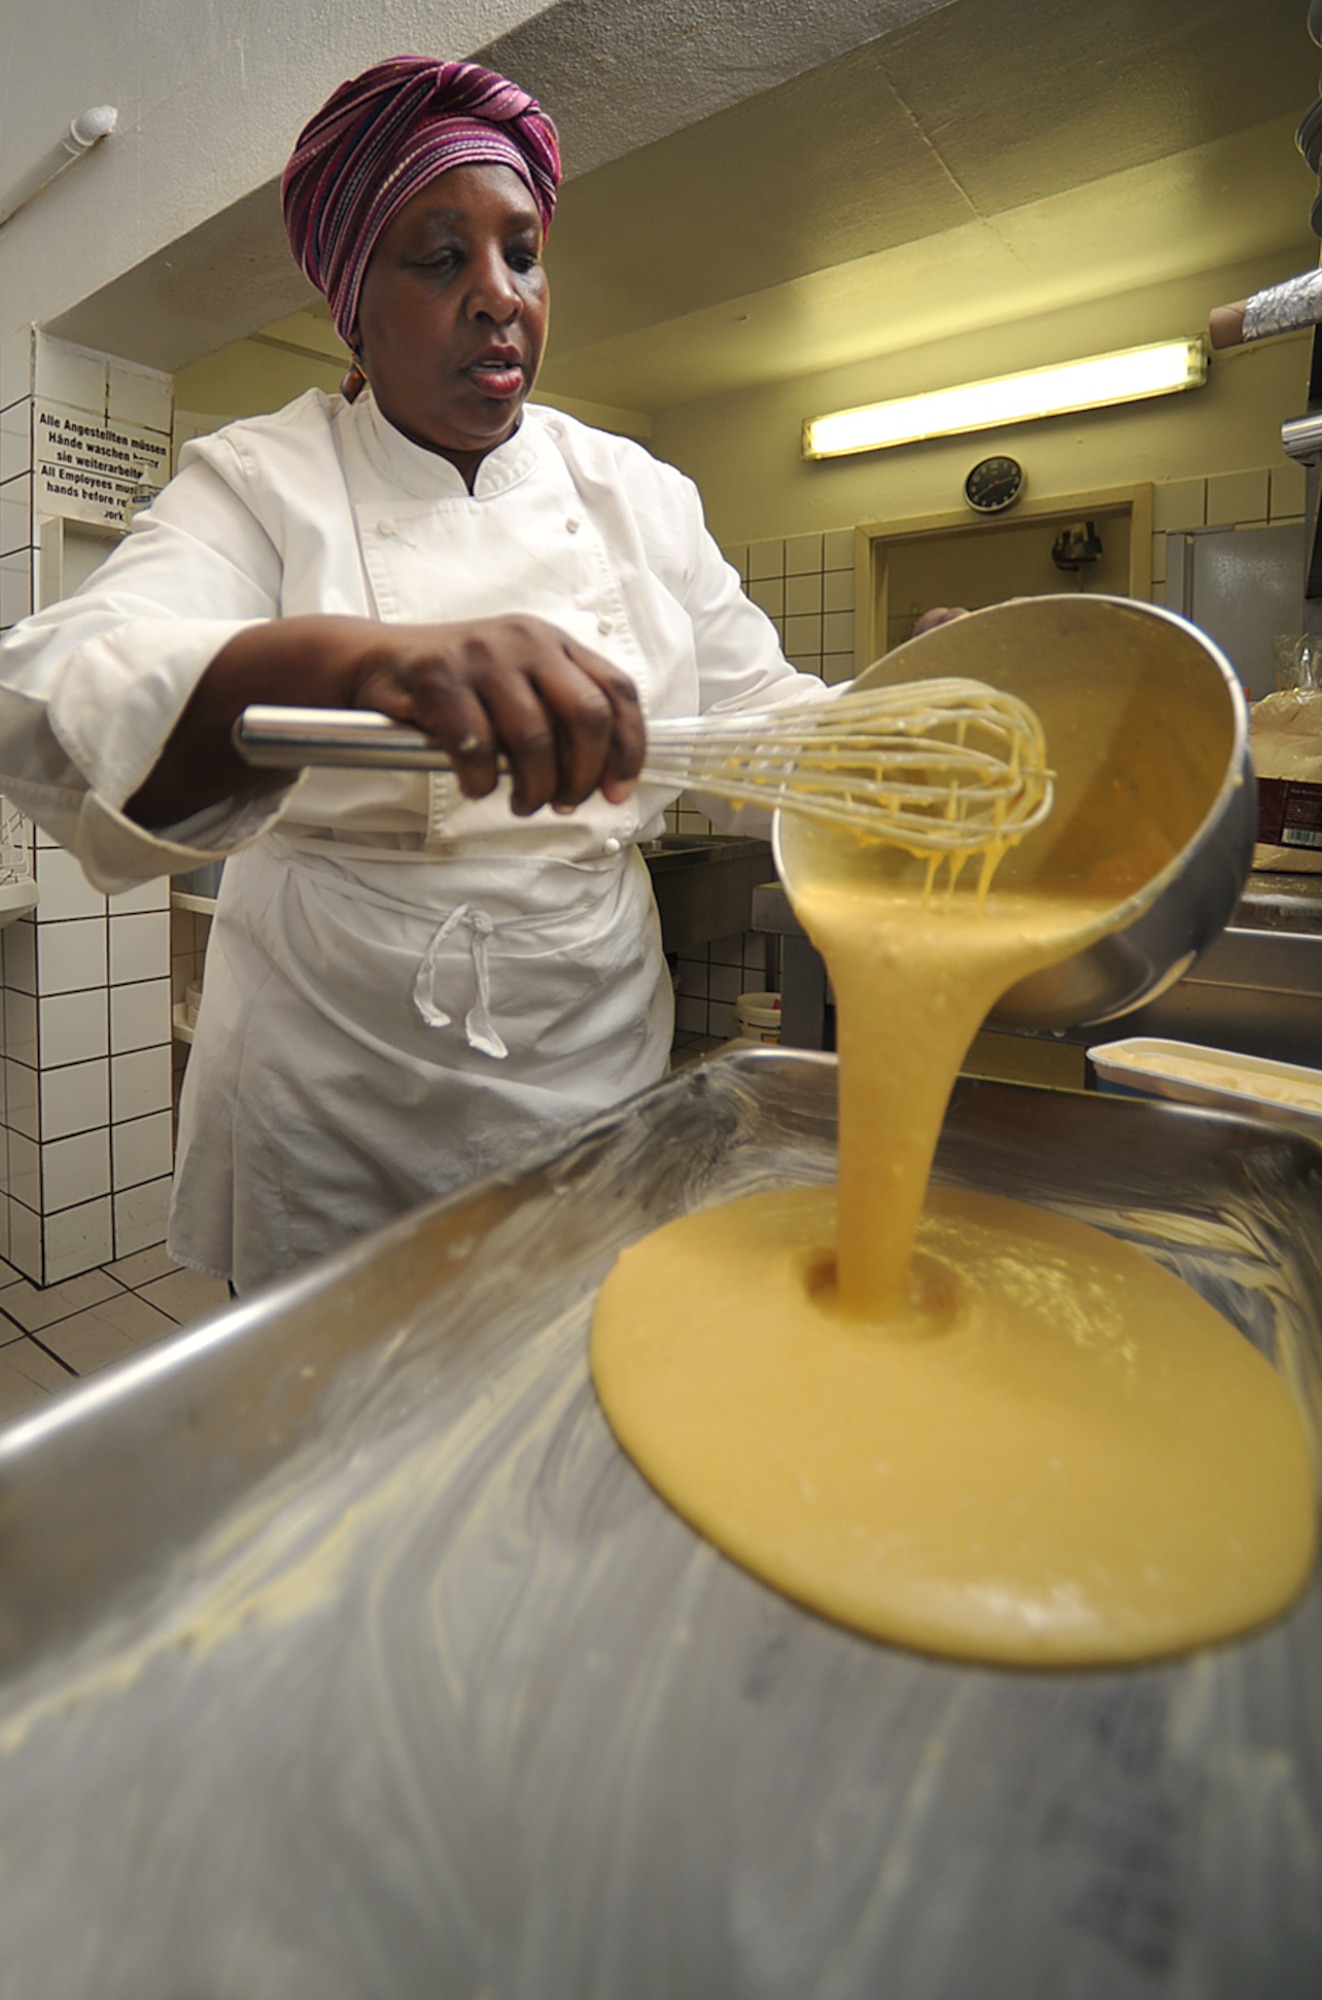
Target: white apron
(389, 1014)
(364, 1049)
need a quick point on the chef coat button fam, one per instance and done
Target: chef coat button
(386, 527)
(572, 525)
(610, 845)
(603, 625)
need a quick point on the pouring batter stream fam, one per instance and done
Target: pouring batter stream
(941, 1417)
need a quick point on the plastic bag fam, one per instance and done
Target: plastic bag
(1285, 741)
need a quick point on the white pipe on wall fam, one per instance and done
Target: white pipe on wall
(86, 130)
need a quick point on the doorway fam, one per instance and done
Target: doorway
(1100, 542)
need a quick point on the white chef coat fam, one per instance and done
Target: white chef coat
(405, 989)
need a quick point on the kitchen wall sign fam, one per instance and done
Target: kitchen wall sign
(95, 468)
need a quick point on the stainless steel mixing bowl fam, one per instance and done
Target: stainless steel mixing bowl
(1107, 676)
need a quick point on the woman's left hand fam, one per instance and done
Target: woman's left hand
(941, 614)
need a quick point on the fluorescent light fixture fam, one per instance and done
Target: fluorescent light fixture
(1091, 384)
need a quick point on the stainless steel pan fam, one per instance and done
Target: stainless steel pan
(346, 1654)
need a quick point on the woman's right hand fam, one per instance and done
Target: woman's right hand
(567, 721)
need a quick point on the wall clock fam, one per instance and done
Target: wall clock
(994, 484)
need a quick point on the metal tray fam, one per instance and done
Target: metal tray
(346, 1655)
(1218, 1079)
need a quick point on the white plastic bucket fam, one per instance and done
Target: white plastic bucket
(758, 1016)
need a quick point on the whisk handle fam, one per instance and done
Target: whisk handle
(348, 737)
(271, 737)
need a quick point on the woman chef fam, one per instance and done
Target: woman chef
(412, 979)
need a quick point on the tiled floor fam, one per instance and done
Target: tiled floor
(49, 1338)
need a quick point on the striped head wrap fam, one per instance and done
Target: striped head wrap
(387, 133)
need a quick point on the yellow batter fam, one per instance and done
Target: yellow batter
(914, 978)
(1083, 1462)
(1021, 1440)
(1279, 1087)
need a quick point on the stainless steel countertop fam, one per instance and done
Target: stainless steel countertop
(704, 885)
(673, 851)
(1255, 990)
(1278, 903)
(345, 1654)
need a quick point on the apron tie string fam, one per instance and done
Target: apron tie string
(479, 1027)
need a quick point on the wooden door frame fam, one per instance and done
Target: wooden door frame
(873, 539)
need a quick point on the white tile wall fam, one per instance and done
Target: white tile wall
(712, 979)
(25, 1170)
(73, 1026)
(805, 584)
(803, 555)
(20, 1021)
(1234, 499)
(140, 1215)
(86, 1003)
(78, 1239)
(838, 590)
(70, 955)
(1237, 499)
(15, 587)
(15, 366)
(139, 946)
(15, 515)
(765, 560)
(139, 396)
(64, 890)
(1286, 484)
(147, 896)
(75, 1170)
(70, 375)
(74, 1099)
(18, 946)
(25, 1246)
(22, 1091)
(16, 440)
(139, 1015)
(142, 1149)
(87, 978)
(140, 1083)
(803, 639)
(803, 595)
(1179, 503)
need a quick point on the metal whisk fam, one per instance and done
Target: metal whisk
(932, 766)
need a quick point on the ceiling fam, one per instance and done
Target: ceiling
(990, 160)
(961, 165)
